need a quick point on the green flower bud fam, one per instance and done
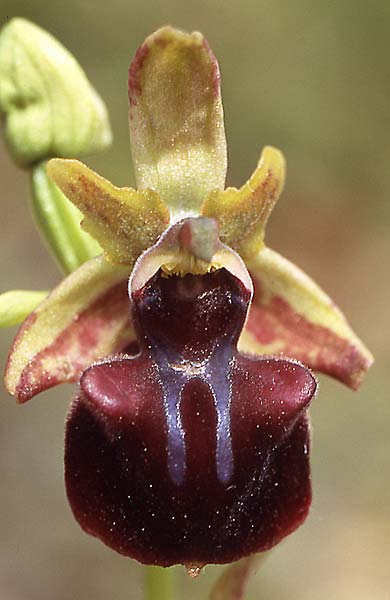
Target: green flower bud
(50, 107)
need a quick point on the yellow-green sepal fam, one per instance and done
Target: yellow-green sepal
(292, 316)
(176, 120)
(84, 318)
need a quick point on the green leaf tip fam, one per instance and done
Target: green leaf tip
(16, 305)
(49, 106)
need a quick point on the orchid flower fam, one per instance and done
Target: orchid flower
(191, 340)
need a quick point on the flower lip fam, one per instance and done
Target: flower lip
(190, 452)
(184, 320)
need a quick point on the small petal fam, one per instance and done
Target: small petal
(231, 585)
(290, 315)
(16, 305)
(59, 221)
(50, 107)
(84, 318)
(176, 119)
(124, 221)
(242, 214)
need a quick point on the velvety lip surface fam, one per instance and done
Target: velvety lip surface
(190, 452)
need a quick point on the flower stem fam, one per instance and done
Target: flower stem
(58, 221)
(158, 583)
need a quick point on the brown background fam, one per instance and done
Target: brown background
(313, 79)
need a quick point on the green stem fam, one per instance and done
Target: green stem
(59, 223)
(158, 583)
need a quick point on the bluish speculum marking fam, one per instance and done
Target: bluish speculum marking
(190, 452)
(190, 326)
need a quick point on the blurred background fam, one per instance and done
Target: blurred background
(313, 79)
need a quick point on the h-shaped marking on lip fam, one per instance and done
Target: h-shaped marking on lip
(175, 374)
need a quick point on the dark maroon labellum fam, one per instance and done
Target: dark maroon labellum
(190, 452)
